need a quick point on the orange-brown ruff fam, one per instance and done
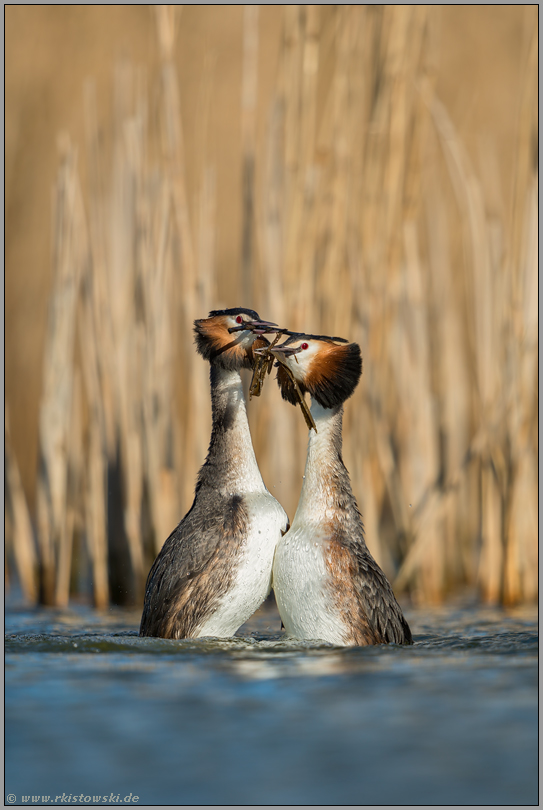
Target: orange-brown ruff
(327, 584)
(329, 373)
(219, 346)
(214, 570)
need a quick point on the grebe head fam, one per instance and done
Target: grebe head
(329, 368)
(227, 337)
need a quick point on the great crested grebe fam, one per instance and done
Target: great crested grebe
(326, 583)
(215, 568)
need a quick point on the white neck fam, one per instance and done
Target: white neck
(231, 455)
(323, 466)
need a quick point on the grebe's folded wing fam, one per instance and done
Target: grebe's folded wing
(364, 597)
(194, 566)
(377, 600)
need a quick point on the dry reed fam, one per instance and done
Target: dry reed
(368, 221)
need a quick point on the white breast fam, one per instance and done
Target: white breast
(252, 584)
(302, 587)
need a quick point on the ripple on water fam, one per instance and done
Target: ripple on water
(262, 719)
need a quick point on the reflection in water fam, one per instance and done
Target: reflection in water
(261, 719)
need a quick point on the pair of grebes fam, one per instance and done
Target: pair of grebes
(235, 543)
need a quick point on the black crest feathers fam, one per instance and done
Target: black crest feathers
(334, 374)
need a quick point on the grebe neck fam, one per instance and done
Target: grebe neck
(231, 465)
(326, 487)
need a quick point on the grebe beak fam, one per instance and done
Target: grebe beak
(258, 327)
(282, 352)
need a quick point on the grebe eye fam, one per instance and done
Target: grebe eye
(304, 346)
(239, 319)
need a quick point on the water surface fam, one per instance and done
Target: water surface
(259, 719)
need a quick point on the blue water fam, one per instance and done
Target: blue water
(93, 710)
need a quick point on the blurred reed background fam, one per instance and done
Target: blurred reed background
(363, 214)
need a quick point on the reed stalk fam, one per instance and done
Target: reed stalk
(19, 535)
(362, 215)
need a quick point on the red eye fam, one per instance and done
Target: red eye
(304, 346)
(239, 319)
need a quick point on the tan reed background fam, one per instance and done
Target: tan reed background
(363, 215)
